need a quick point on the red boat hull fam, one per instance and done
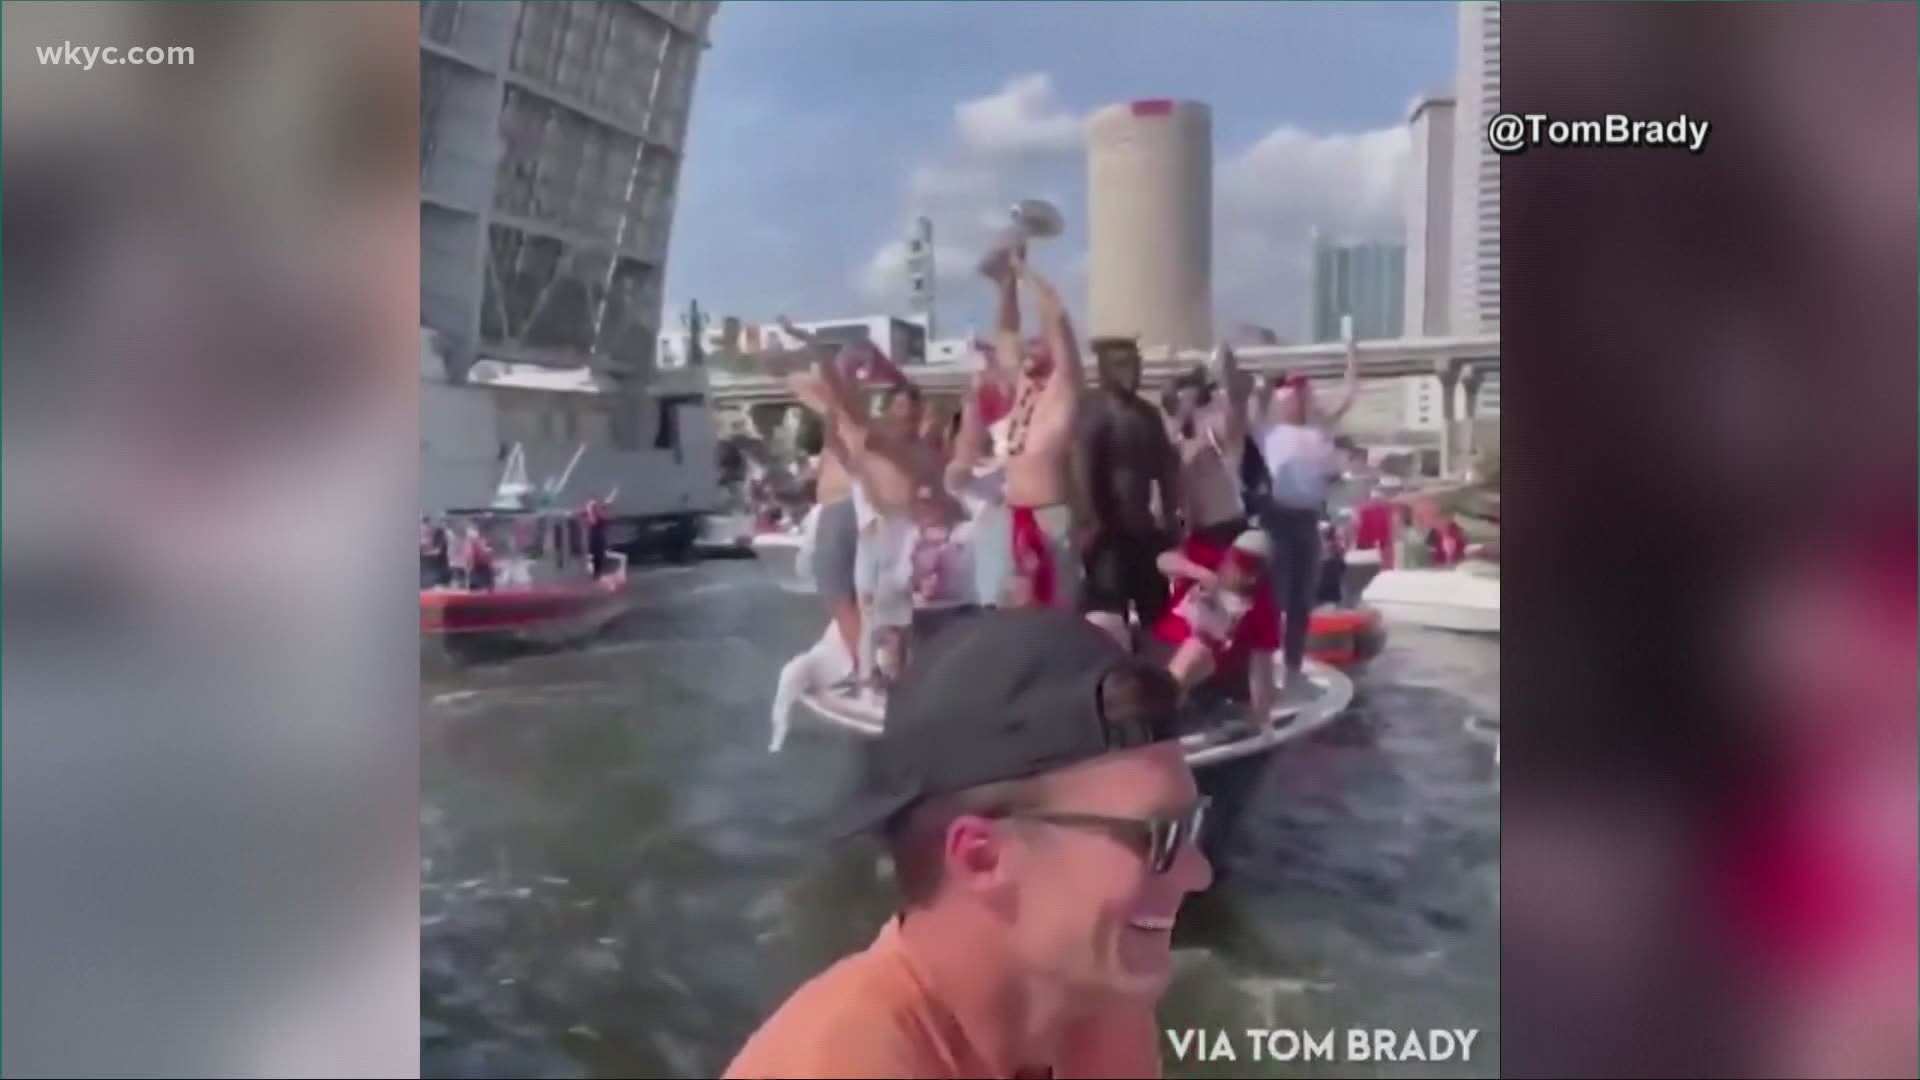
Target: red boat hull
(475, 624)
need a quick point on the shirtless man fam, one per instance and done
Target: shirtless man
(836, 535)
(888, 456)
(1027, 556)
(1122, 453)
(900, 486)
(1209, 427)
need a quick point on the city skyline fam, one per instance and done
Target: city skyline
(979, 111)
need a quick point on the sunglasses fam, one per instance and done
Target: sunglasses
(1158, 840)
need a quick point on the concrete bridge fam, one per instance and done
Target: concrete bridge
(1450, 359)
(1455, 361)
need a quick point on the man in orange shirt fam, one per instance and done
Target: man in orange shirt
(1042, 822)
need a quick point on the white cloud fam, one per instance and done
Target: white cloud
(999, 150)
(1024, 117)
(1350, 182)
(943, 182)
(1273, 193)
(1020, 141)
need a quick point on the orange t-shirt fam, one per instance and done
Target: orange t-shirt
(871, 1016)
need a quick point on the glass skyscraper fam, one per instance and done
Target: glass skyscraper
(1364, 280)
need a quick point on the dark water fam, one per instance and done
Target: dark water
(619, 880)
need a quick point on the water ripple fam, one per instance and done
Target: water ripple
(617, 880)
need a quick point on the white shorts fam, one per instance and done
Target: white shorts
(883, 571)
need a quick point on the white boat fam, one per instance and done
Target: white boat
(1465, 599)
(784, 554)
(724, 536)
(860, 712)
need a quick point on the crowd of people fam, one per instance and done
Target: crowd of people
(471, 561)
(1190, 529)
(1028, 781)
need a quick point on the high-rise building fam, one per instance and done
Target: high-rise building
(1150, 223)
(1476, 173)
(551, 137)
(1429, 219)
(1363, 280)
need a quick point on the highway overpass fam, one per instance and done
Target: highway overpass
(1449, 358)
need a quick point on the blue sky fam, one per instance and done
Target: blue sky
(821, 128)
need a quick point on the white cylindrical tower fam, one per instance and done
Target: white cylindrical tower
(1150, 221)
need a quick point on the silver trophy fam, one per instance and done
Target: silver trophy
(1030, 219)
(1037, 219)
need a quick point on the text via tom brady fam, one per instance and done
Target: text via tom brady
(1220, 1045)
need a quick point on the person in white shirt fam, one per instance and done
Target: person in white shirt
(1296, 438)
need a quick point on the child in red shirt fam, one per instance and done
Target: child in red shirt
(1222, 613)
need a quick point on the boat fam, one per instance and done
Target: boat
(786, 553)
(1463, 598)
(1227, 758)
(1339, 637)
(725, 536)
(861, 713)
(543, 596)
(460, 626)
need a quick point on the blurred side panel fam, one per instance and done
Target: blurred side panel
(1709, 812)
(211, 670)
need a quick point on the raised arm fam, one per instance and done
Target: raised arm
(806, 338)
(1069, 377)
(973, 432)
(827, 391)
(1349, 386)
(814, 393)
(1260, 408)
(1237, 386)
(843, 396)
(1007, 359)
(841, 357)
